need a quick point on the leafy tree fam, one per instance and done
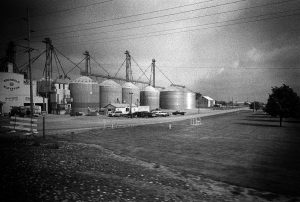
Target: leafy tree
(283, 102)
(255, 105)
(221, 102)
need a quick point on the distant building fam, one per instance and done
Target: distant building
(60, 98)
(205, 102)
(124, 108)
(15, 91)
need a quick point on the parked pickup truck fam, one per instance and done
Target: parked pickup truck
(115, 114)
(144, 114)
(178, 112)
(160, 113)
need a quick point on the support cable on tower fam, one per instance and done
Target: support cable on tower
(68, 58)
(120, 68)
(99, 65)
(57, 66)
(25, 65)
(76, 65)
(140, 68)
(143, 73)
(164, 75)
(56, 56)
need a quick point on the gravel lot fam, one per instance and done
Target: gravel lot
(239, 156)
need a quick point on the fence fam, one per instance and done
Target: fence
(116, 125)
(196, 121)
(23, 124)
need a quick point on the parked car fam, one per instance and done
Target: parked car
(115, 114)
(143, 114)
(24, 111)
(160, 113)
(178, 112)
(76, 113)
(17, 111)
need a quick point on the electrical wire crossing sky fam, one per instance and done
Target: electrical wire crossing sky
(226, 49)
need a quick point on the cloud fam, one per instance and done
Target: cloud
(236, 63)
(284, 56)
(254, 55)
(220, 70)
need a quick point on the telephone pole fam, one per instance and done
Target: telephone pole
(29, 63)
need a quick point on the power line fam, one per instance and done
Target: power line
(153, 34)
(128, 16)
(228, 67)
(23, 66)
(206, 15)
(70, 9)
(139, 20)
(13, 20)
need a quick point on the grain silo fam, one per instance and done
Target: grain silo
(150, 97)
(110, 92)
(172, 98)
(189, 100)
(85, 93)
(128, 90)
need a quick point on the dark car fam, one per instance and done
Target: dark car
(17, 111)
(76, 113)
(178, 112)
(143, 114)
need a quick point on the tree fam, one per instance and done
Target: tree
(255, 106)
(283, 102)
(221, 103)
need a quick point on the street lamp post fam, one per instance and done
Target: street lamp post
(130, 104)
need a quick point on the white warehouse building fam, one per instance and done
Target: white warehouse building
(15, 91)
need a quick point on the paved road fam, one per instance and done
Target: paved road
(65, 123)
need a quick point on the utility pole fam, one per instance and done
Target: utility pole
(29, 65)
(87, 63)
(153, 72)
(131, 104)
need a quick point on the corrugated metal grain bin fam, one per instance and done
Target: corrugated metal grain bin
(189, 100)
(150, 97)
(85, 93)
(172, 98)
(110, 92)
(127, 89)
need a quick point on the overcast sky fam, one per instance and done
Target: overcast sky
(224, 49)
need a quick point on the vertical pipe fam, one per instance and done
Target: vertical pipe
(87, 63)
(153, 72)
(128, 66)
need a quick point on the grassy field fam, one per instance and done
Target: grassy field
(240, 156)
(243, 148)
